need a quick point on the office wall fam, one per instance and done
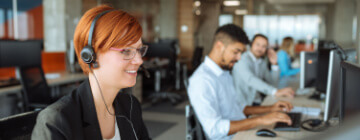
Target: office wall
(186, 28)
(60, 20)
(339, 22)
(210, 11)
(30, 19)
(168, 18)
(358, 29)
(54, 25)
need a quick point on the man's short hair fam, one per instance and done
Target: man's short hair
(256, 36)
(231, 33)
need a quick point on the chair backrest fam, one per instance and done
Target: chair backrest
(18, 127)
(35, 87)
(194, 130)
(198, 53)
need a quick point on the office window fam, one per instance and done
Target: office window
(225, 19)
(29, 23)
(275, 27)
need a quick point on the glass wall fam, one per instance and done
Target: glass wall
(275, 27)
(28, 22)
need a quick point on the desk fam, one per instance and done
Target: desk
(64, 78)
(300, 100)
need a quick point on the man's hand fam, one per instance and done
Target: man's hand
(281, 106)
(272, 56)
(285, 92)
(274, 117)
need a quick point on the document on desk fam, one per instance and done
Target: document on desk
(312, 111)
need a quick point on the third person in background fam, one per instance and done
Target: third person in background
(284, 54)
(251, 75)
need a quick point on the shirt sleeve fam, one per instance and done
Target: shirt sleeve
(273, 92)
(274, 68)
(241, 71)
(47, 127)
(203, 99)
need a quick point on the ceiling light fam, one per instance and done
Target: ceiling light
(240, 12)
(232, 3)
(197, 3)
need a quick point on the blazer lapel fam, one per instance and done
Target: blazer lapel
(122, 114)
(90, 122)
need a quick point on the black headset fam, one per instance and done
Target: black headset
(88, 54)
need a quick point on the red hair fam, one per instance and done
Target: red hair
(113, 29)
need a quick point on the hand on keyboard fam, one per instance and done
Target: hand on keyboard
(285, 92)
(275, 117)
(295, 126)
(281, 106)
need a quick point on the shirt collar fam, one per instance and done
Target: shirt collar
(213, 66)
(254, 58)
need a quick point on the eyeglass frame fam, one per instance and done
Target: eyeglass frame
(133, 54)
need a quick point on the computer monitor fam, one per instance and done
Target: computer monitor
(20, 53)
(308, 67)
(351, 55)
(164, 49)
(332, 101)
(350, 78)
(322, 69)
(333, 88)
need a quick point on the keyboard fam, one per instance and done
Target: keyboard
(295, 126)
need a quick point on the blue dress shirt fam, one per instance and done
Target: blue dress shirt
(215, 100)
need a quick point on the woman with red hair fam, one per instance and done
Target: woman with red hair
(108, 43)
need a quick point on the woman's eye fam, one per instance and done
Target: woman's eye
(126, 51)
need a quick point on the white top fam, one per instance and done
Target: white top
(257, 67)
(117, 132)
(215, 100)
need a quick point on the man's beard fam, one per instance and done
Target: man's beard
(227, 66)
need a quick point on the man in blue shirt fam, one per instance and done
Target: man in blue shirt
(220, 109)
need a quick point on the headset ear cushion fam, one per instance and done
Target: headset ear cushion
(88, 55)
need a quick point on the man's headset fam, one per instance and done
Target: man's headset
(88, 54)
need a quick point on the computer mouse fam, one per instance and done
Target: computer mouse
(315, 122)
(265, 133)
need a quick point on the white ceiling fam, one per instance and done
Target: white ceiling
(300, 1)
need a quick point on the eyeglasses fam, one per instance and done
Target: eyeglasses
(130, 52)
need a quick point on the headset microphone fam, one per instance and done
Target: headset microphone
(146, 72)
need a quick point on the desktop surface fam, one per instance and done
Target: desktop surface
(299, 100)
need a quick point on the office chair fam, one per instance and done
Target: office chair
(36, 92)
(196, 61)
(165, 78)
(198, 54)
(18, 127)
(194, 130)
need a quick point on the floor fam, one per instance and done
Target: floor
(164, 120)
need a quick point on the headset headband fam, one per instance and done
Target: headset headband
(93, 26)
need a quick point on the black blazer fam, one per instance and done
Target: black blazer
(74, 117)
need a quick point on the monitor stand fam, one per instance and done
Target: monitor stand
(317, 96)
(315, 125)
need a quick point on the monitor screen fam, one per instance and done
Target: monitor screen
(308, 68)
(350, 89)
(332, 101)
(351, 55)
(20, 53)
(322, 70)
